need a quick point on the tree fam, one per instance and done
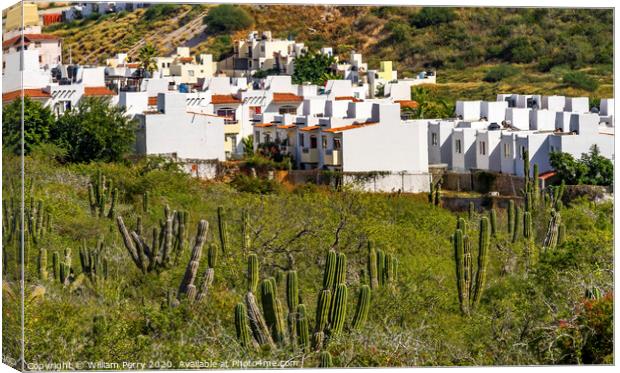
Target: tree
(227, 18)
(37, 123)
(94, 131)
(428, 106)
(519, 50)
(146, 58)
(432, 16)
(580, 80)
(315, 68)
(591, 169)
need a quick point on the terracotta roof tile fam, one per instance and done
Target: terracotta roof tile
(286, 97)
(287, 126)
(407, 104)
(32, 93)
(186, 59)
(28, 38)
(263, 125)
(350, 127)
(348, 98)
(224, 99)
(98, 91)
(546, 175)
(310, 128)
(152, 101)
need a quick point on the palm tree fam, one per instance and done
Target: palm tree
(146, 58)
(428, 107)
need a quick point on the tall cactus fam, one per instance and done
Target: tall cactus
(292, 301)
(222, 230)
(372, 267)
(322, 317)
(100, 194)
(43, 264)
(493, 221)
(381, 267)
(551, 237)
(471, 210)
(212, 256)
(481, 273)
(302, 327)
(325, 360)
(245, 230)
(535, 186)
(194, 262)
(145, 201)
(270, 310)
(341, 269)
(363, 306)
(517, 224)
(329, 275)
(259, 327)
(242, 327)
(510, 216)
(252, 273)
(561, 234)
(339, 311)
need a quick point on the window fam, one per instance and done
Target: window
(257, 136)
(506, 150)
(190, 72)
(37, 44)
(483, 147)
(313, 142)
(434, 140)
(337, 144)
(552, 149)
(301, 140)
(229, 114)
(324, 142)
(458, 147)
(267, 138)
(40, 59)
(287, 110)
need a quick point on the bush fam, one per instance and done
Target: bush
(519, 50)
(580, 80)
(591, 169)
(432, 16)
(257, 185)
(37, 123)
(160, 11)
(227, 18)
(499, 73)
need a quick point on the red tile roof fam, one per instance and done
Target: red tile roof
(348, 98)
(350, 127)
(152, 101)
(98, 91)
(286, 97)
(32, 93)
(407, 104)
(310, 128)
(186, 59)
(28, 38)
(546, 175)
(263, 125)
(224, 99)
(286, 126)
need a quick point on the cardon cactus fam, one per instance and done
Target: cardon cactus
(194, 262)
(212, 256)
(483, 250)
(329, 275)
(292, 300)
(242, 327)
(100, 194)
(43, 264)
(145, 201)
(471, 210)
(302, 328)
(325, 360)
(322, 316)
(252, 273)
(56, 266)
(222, 230)
(551, 237)
(510, 216)
(561, 234)
(341, 269)
(381, 267)
(339, 310)
(372, 267)
(517, 224)
(493, 221)
(259, 327)
(270, 310)
(363, 306)
(245, 230)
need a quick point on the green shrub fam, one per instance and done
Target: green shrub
(257, 185)
(160, 11)
(520, 50)
(227, 18)
(500, 73)
(432, 16)
(580, 80)
(37, 123)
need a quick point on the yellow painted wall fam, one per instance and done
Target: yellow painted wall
(385, 70)
(14, 16)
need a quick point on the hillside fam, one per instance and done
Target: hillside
(461, 43)
(530, 311)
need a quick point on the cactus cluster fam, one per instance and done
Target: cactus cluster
(434, 195)
(553, 231)
(188, 287)
(470, 283)
(102, 196)
(271, 327)
(382, 268)
(93, 262)
(167, 241)
(222, 229)
(37, 221)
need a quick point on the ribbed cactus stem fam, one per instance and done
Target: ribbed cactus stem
(493, 221)
(481, 273)
(292, 291)
(222, 230)
(252, 273)
(113, 203)
(258, 325)
(56, 266)
(212, 256)
(329, 275)
(302, 328)
(471, 210)
(551, 237)
(322, 310)
(561, 234)
(527, 225)
(341, 269)
(535, 186)
(145, 201)
(43, 264)
(459, 257)
(270, 309)
(325, 360)
(381, 267)
(194, 262)
(518, 218)
(372, 268)
(510, 216)
(363, 306)
(339, 311)
(242, 327)
(245, 230)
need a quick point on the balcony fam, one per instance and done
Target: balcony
(332, 157)
(310, 155)
(230, 127)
